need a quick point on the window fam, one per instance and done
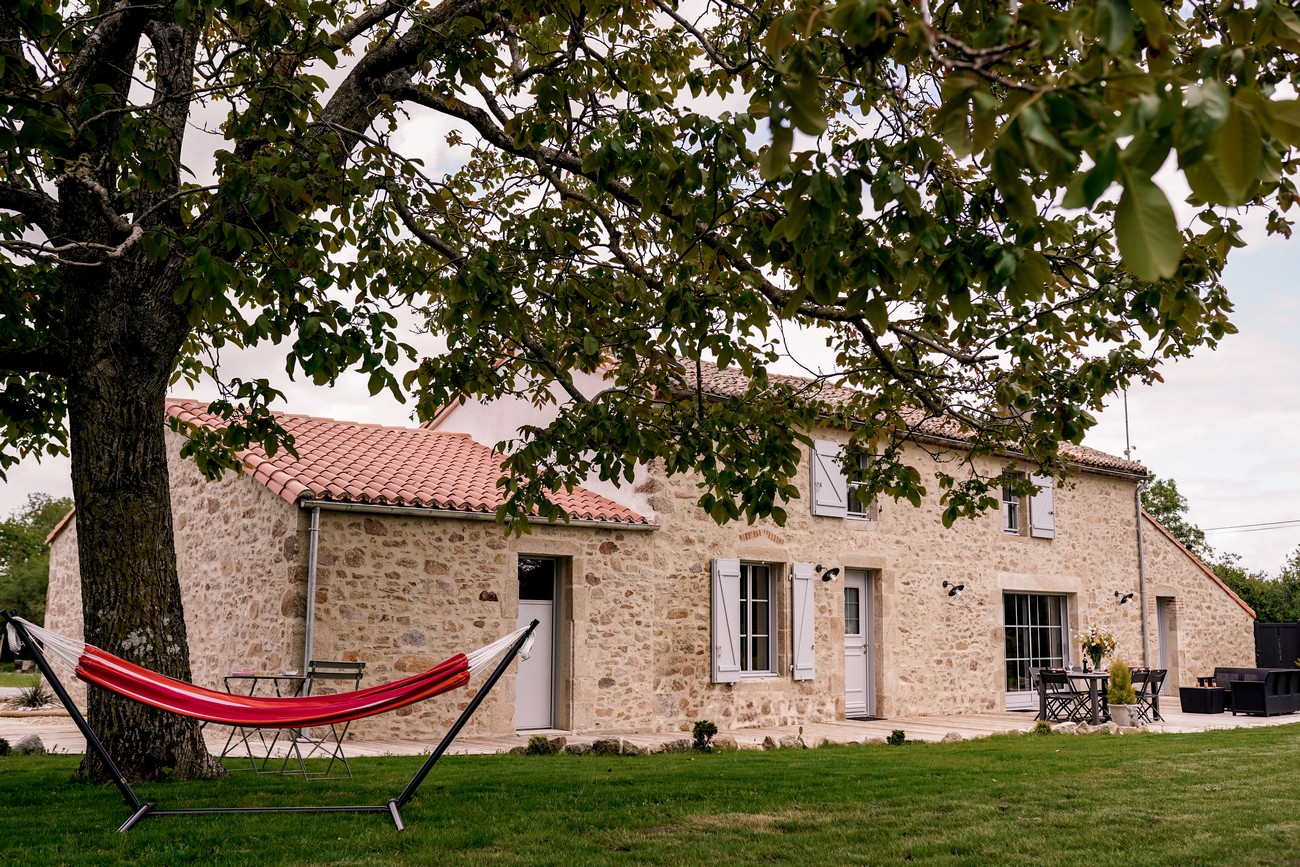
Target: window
(756, 605)
(1041, 518)
(1035, 638)
(833, 496)
(743, 620)
(857, 508)
(1011, 523)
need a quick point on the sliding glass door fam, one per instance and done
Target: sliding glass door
(1037, 637)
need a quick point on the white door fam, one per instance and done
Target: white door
(535, 684)
(1163, 642)
(858, 697)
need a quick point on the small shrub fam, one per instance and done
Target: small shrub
(539, 745)
(896, 738)
(1042, 727)
(5, 749)
(703, 732)
(1121, 689)
(34, 696)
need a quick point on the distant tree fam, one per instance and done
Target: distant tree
(1275, 600)
(24, 557)
(1162, 501)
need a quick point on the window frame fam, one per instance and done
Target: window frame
(869, 511)
(747, 634)
(1013, 509)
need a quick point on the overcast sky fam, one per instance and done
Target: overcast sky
(1225, 424)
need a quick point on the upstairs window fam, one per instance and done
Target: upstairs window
(1011, 523)
(833, 496)
(1036, 514)
(857, 508)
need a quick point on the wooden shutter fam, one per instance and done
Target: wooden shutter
(1042, 508)
(726, 621)
(803, 642)
(830, 491)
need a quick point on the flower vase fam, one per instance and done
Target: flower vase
(1095, 655)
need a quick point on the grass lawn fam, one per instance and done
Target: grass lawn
(1216, 798)
(13, 678)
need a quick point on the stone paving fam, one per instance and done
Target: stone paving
(59, 734)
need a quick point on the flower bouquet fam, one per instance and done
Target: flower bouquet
(1096, 642)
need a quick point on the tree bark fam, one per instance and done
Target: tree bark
(129, 585)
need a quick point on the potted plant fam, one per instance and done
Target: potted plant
(1120, 694)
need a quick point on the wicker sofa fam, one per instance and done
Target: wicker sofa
(1277, 693)
(1226, 677)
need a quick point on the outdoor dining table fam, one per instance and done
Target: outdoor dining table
(246, 683)
(1097, 681)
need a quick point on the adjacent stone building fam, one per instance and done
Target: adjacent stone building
(654, 616)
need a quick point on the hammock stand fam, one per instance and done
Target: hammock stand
(146, 809)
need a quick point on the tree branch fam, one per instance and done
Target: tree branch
(115, 37)
(33, 204)
(33, 359)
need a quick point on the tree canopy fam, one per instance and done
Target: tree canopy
(973, 199)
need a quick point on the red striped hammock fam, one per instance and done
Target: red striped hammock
(127, 679)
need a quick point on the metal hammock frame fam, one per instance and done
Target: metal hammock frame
(148, 809)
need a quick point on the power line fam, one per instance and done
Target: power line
(1263, 525)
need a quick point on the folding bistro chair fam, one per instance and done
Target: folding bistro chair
(1148, 697)
(303, 744)
(1057, 697)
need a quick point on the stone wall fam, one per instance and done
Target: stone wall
(241, 555)
(404, 593)
(932, 653)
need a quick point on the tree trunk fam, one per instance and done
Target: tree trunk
(129, 586)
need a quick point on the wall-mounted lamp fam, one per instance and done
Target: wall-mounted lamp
(827, 574)
(954, 589)
(1123, 597)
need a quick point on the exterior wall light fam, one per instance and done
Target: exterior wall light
(1123, 597)
(954, 589)
(827, 574)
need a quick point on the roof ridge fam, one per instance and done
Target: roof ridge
(367, 463)
(929, 425)
(186, 401)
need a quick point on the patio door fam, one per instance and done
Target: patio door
(859, 695)
(535, 682)
(1036, 627)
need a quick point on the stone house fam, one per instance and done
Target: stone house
(378, 544)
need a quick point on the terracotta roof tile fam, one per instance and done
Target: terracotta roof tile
(731, 382)
(352, 462)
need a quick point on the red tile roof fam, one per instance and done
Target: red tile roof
(352, 462)
(731, 382)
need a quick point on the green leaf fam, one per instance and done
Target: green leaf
(1087, 187)
(1285, 115)
(1207, 108)
(1240, 152)
(777, 156)
(1205, 177)
(1114, 25)
(1146, 229)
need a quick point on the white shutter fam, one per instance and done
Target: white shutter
(1042, 508)
(726, 621)
(804, 629)
(830, 491)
